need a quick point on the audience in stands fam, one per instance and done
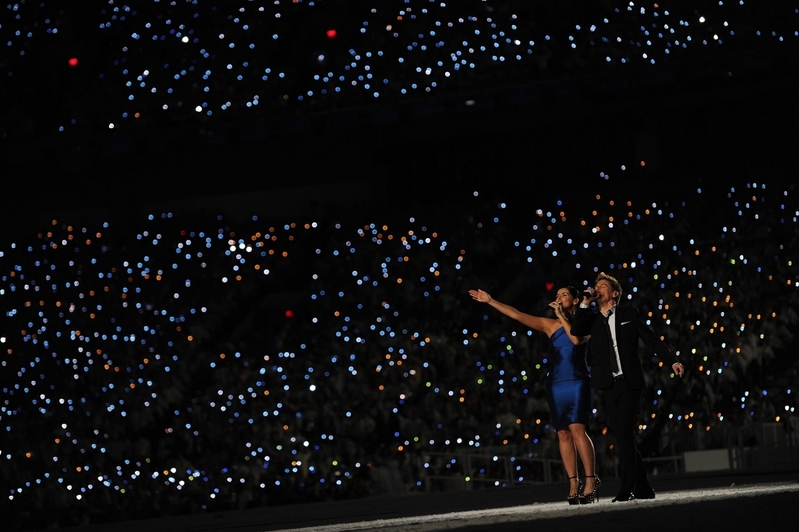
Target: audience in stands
(206, 364)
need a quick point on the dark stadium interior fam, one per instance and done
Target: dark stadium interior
(562, 139)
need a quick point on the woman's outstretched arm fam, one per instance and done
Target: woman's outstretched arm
(534, 322)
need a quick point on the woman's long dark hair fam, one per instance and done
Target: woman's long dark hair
(573, 291)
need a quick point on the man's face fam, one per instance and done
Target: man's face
(604, 291)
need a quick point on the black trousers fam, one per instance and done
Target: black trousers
(622, 406)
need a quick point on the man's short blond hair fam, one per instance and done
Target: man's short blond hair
(614, 283)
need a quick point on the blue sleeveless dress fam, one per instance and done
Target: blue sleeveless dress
(569, 395)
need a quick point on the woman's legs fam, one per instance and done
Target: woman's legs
(585, 448)
(568, 454)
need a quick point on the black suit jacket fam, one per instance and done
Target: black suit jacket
(630, 329)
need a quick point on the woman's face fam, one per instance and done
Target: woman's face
(564, 298)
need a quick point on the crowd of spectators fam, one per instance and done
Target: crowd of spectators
(182, 363)
(162, 62)
(192, 360)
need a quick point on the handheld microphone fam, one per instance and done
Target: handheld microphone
(587, 293)
(550, 312)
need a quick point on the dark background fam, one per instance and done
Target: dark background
(706, 120)
(698, 120)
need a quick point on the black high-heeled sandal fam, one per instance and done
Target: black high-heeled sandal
(593, 496)
(574, 498)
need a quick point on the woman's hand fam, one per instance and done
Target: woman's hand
(480, 295)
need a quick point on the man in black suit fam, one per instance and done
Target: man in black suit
(616, 369)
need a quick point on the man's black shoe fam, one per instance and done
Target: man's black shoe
(645, 494)
(623, 497)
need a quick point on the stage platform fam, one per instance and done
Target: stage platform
(730, 501)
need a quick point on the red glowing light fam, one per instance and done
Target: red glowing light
(331, 34)
(289, 313)
(73, 61)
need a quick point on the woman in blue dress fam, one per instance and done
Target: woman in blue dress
(569, 395)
